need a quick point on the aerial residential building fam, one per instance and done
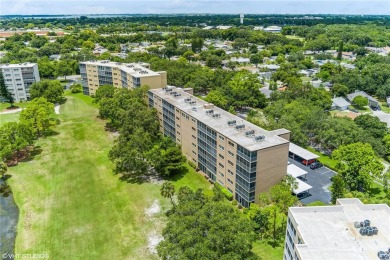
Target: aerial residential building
(19, 77)
(348, 230)
(121, 75)
(240, 156)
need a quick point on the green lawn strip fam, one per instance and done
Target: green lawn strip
(71, 204)
(4, 105)
(266, 252)
(324, 159)
(317, 203)
(5, 118)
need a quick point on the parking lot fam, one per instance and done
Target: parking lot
(319, 179)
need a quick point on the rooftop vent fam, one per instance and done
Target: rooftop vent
(209, 112)
(250, 133)
(173, 92)
(193, 102)
(259, 138)
(177, 95)
(240, 127)
(231, 122)
(193, 109)
(187, 100)
(216, 115)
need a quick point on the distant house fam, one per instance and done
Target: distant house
(273, 29)
(55, 56)
(388, 101)
(241, 60)
(308, 72)
(340, 103)
(372, 102)
(265, 75)
(348, 66)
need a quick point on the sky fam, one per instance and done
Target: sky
(29, 7)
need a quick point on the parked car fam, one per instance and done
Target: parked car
(308, 162)
(316, 165)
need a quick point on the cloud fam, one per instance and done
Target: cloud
(29, 7)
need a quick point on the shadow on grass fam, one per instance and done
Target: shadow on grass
(62, 101)
(150, 178)
(375, 191)
(176, 177)
(51, 133)
(36, 150)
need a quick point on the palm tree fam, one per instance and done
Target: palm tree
(167, 191)
(3, 169)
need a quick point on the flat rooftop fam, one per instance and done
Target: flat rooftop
(302, 152)
(18, 65)
(135, 69)
(328, 232)
(220, 123)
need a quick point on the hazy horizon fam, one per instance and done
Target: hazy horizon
(78, 7)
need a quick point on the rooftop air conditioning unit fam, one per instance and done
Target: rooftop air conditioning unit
(259, 138)
(216, 115)
(250, 133)
(231, 122)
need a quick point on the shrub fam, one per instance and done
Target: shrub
(76, 88)
(225, 192)
(234, 202)
(193, 165)
(239, 206)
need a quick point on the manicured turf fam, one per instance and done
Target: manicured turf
(71, 204)
(192, 179)
(317, 203)
(324, 159)
(4, 118)
(267, 252)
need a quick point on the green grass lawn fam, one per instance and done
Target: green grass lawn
(365, 110)
(192, 179)
(5, 118)
(4, 105)
(385, 108)
(317, 203)
(71, 204)
(267, 252)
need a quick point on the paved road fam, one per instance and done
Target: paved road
(384, 117)
(319, 179)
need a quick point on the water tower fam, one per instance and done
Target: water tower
(241, 18)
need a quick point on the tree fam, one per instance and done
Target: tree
(197, 44)
(255, 59)
(337, 188)
(360, 101)
(260, 216)
(340, 50)
(88, 45)
(51, 90)
(372, 125)
(76, 88)
(168, 160)
(4, 92)
(358, 165)
(253, 48)
(3, 170)
(105, 91)
(14, 137)
(64, 68)
(200, 228)
(340, 90)
(213, 61)
(168, 191)
(37, 115)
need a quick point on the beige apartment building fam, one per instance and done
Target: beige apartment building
(120, 75)
(240, 156)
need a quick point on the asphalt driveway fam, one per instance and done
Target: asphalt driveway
(320, 180)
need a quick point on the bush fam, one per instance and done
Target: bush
(76, 88)
(211, 181)
(239, 206)
(193, 165)
(225, 192)
(234, 202)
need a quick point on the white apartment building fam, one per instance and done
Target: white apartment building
(18, 79)
(338, 232)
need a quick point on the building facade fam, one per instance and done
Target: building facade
(19, 77)
(120, 75)
(240, 156)
(335, 232)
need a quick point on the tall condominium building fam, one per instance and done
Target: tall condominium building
(18, 79)
(348, 230)
(240, 156)
(121, 75)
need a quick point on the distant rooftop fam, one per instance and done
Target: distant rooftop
(136, 69)
(233, 127)
(18, 65)
(328, 232)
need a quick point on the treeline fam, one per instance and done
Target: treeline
(140, 150)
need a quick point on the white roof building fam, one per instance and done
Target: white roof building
(329, 232)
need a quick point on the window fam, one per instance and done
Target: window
(193, 120)
(221, 156)
(231, 163)
(230, 190)
(230, 181)
(221, 165)
(178, 125)
(193, 128)
(221, 147)
(194, 153)
(221, 174)
(177, 118)
(230, 153)
(220, 182)
(221, 138)
(193, 137)
(194, 145)
(178, 132)
(231, 143)
(230, 172)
